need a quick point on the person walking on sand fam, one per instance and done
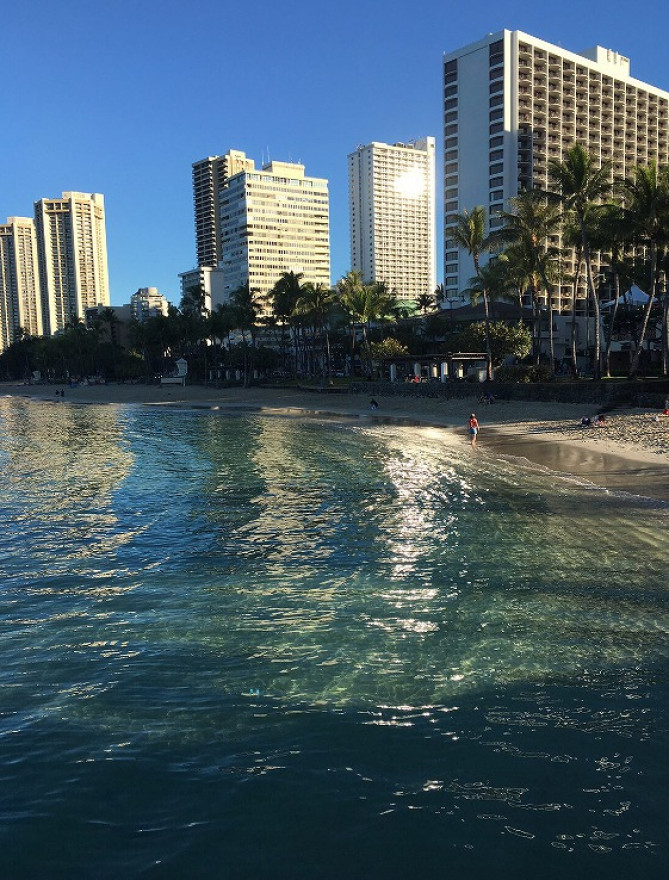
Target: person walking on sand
(473, 428)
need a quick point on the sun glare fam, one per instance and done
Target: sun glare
(411, 184)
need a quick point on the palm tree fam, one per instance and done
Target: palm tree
(365, 304)
(246, 303)
(315, 303)
(283, 298)
(494, 281)
(108, 316)
(610, 233)
(646, 213)
(529, 224)
(579, 184)
(469, 233)
(425, 302)
(351, 298)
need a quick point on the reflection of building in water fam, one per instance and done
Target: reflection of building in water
(71, 462)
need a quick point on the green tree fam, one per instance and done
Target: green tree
(507, 340)
(469, 233)
(579, 184)
(247, 307)
(315, 303)
(283, 298)
(528, 225)
(646, 214)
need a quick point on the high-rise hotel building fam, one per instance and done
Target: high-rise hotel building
(209, 177)
(20, 302)
(72, 247)
(513, 102)
(393, 216)
(274, 220)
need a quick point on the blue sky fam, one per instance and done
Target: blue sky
(121, 97)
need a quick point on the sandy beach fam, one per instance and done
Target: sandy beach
(631, 452)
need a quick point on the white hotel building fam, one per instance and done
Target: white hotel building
(274, 220)
(513, 102)
(393, 216)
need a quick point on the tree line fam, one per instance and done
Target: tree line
(548, 239)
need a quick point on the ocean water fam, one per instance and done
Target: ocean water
(243, 646)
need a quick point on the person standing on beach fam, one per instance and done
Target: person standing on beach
(473, 428)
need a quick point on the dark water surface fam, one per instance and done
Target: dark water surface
(253, 647)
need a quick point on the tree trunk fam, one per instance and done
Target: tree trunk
(488, 349)
(597, 357)
(665, 334)
(634, 366)
(609, 335)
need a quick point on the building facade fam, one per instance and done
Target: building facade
(393, 216)
(274, 220)
(72, 248)
(513, 102)
(209, 177)
(147, 303)
(20, 300)
(207, 279)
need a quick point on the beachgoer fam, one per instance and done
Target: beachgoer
(585, 422)
(600, 421)
(473, 428)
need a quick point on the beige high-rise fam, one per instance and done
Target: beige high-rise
(72, 246)
(393, 217)
(209, 177)
(512, 102)
(20, 301)
(273, 221)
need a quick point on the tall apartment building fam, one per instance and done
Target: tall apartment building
(72, 246)
(20, 301)
(393, 217)
(209, 177)
(147, 303)
(274, 220)
(512, 102)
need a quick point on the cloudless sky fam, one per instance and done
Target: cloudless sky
(121, 97)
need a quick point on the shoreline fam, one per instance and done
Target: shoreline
(631, 453)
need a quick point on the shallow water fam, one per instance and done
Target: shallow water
(244, 646)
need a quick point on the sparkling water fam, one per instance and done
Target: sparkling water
(244, 646)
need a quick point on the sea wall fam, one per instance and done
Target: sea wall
(610, 393)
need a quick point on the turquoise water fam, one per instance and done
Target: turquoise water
(269, 647)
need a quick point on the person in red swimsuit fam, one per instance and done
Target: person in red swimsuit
(473, 428)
